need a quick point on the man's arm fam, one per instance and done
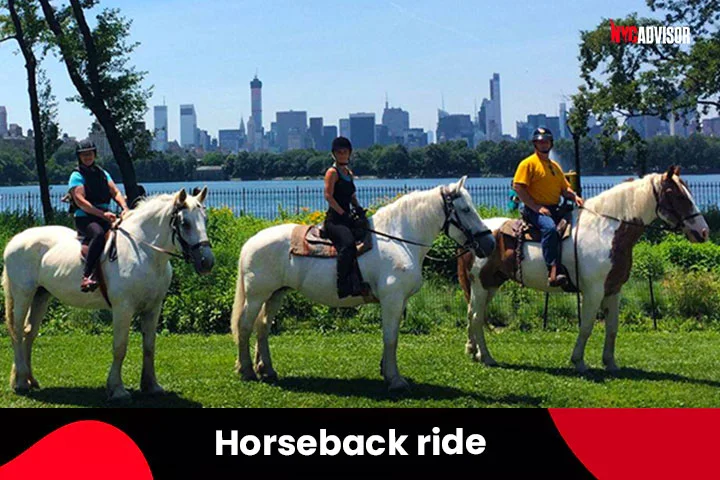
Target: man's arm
(570, 194)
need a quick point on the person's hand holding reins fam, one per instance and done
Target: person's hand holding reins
(110, 217)
(580, 202)
(545, 211)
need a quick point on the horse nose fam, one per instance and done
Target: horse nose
(207, 261)
(485, 243)
(705, 234)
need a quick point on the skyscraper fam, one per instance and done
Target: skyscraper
(160, 133)
(316, 132)
(287, 121)
(494, 130)
(188, 126)
(330, 132)
(564, 132)
(455, 127)
(362, 130)
(256, 118)
(345, 127)
(396, 120)
(3, 122)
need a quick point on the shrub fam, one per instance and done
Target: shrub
(694, 295)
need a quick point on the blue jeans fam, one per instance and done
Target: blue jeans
(550, 239)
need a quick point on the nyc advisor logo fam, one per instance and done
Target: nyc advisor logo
(649, 35)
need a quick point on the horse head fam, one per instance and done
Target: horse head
(189, 220)
(676, 206)
(462, 222)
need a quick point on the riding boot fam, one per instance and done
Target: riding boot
(556, 279)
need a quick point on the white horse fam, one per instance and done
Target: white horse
(610, 225)
(45, 262)
(393, 270)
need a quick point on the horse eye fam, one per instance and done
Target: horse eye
(466, 209)
(186, 224)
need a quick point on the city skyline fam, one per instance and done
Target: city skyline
(331, 71)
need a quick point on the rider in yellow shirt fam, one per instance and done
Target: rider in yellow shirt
(540, 182)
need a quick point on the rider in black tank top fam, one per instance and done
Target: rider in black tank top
(340, 194)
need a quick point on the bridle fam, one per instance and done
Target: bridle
(680, 221)
(175, 224)
(452, 218)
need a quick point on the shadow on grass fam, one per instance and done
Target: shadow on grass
(97, 397)
(600, 375)
(375, 389)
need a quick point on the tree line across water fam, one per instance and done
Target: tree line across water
(696, 154)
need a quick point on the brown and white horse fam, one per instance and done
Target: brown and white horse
(609, 226)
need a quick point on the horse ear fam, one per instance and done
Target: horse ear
(180, 197)
(670, 172)
(677, 171)
(461, 183)
(203, 193)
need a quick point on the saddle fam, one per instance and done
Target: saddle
(310, 241)
(97, 272)
(516, 232)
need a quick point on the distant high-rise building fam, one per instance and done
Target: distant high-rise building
(396, 120)
(483, 116)
(330, 133)
(685, 125)
(415, 138)
(15, 131)
(455, 127)
(345, 127)
(3, 122)
(494, 119)
(229, 141)
(382, 136)
(316, 132)
(295, 139)
(204, 140)
(523, 130)
(285, 122)
(553, 123)
(98, 137)
(711, 127)
(188, 126)
(362, 130)
(648, 126)
(160, 133)
(564, 132)
(255, 140)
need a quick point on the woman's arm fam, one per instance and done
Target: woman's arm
(117, 195)
(330, 179)
(78, 194)
(354, 200)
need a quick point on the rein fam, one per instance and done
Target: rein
(450, 219)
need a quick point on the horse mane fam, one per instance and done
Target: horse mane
(631, 199)
(405, 211)
(148, 205)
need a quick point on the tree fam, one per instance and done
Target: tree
(97, 63)
(667, 80)
(27, 29)
(577, 124)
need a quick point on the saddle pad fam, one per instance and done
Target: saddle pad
(513, 228)
(305, 241)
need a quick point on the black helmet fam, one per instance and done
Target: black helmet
(85, 146)
(542, 133)
(341, 142)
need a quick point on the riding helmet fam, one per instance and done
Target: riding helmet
(341, 142)
(85, 146)
(542, 133)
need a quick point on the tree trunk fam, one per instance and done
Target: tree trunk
(31, 67)
(576, 141)
(92, 94)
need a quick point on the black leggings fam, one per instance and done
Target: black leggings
(93, 229)
(344, 241)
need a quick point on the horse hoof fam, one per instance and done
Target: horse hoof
(612, 367)
(268, 377)
(489, 361)
(470, 349)
(155, 389)
(22, 389)
(119, 395)
(580, 367)
(248, 375)
(34, 384)
(398, 385)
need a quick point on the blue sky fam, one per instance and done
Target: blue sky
(331, 58)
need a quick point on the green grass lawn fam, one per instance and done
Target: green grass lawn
(341, 370)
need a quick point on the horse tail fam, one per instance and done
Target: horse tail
(239, 303)
(9, 304)
(464, 264)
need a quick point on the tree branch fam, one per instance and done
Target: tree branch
(70, 63)
(89, 46)
(11, 37)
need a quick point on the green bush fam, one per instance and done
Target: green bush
(694, 295)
